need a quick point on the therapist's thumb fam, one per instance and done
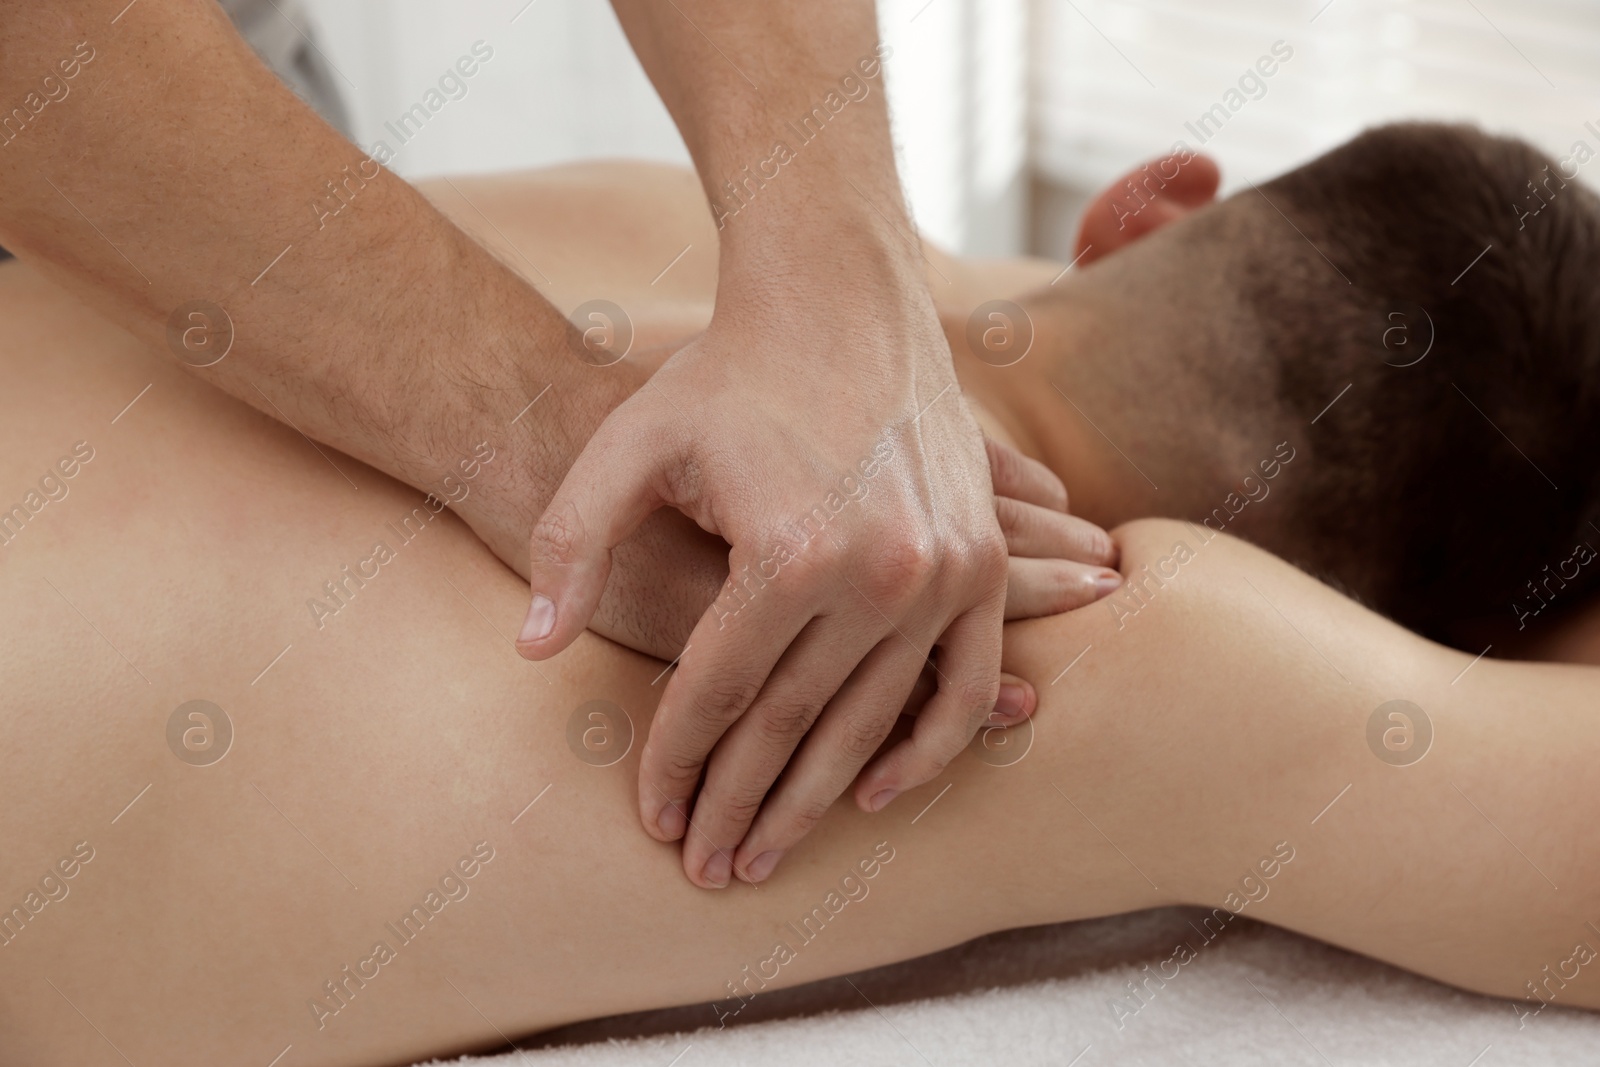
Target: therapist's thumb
(605, 495)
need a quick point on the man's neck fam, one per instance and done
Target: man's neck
(1055, 405)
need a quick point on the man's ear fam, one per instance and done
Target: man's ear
(1144, 200)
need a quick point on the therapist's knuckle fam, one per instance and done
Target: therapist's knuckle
(987, 557)
(808, 811)
(782, 721)
(932, 762)
(946, 744)
(860, 736)
(900, 567)
(556, 536)
(732, 805)
(723, 699)
(817, 562)
(682, 478)
(986, 544)
(679, 766)
(977, 698)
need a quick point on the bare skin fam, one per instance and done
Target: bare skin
(1194, 741)
(151, 164)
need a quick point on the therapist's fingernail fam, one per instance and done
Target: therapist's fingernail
(672, 822)
(717, 869)
(881, 798)
(1012, 702)
(763, 864)
(540, 621)
(1106, 583)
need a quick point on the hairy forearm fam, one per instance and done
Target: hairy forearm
(177, 187)
(783, 108)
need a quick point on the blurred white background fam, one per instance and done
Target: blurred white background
(1008, 114)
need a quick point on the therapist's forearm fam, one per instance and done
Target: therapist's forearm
(783, 108)
(176, 169)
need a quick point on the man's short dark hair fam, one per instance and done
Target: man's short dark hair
(1451, 490)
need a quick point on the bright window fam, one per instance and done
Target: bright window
(1116, 81)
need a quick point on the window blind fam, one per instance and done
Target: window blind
(1114, 82)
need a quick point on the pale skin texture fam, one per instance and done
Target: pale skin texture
(1197, 735)
(824, 341)
(176, 168)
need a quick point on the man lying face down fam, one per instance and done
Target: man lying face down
(1412, 317)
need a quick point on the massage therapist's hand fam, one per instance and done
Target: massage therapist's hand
(818, 429)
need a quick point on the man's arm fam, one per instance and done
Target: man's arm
(154, 167)
(823, 378)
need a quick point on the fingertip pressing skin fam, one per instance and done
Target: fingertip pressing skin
(540, 621)
(1040, 533)
(758, 856)
(663, 818)
(761, 868)
(717, 871)
(556, 545)
(742, 769)
(672, 822)
(560, 610)
(834, 750)
(557, 614)
(1039, 587)
(1016, 701)
(569, 561)
(880, 800)
(1107, 582)
(969, 685)
(600, 502)
(713, 687)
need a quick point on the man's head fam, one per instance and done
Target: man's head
(1418, 312)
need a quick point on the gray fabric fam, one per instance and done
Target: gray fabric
(282, 34)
